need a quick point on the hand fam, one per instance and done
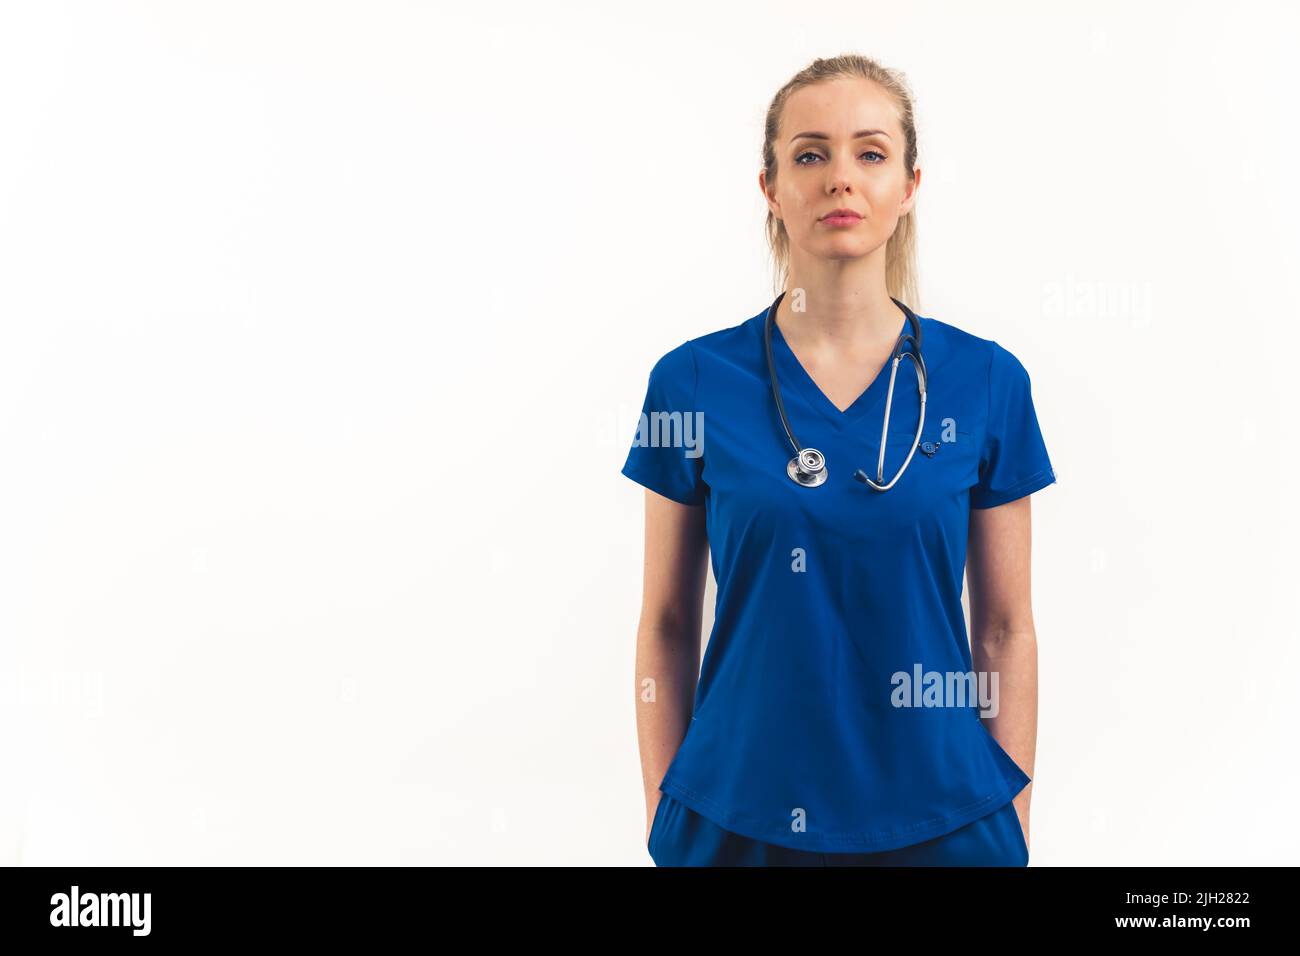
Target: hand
(650, 822)
(1024, 827)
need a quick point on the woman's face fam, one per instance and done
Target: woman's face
(840, 146)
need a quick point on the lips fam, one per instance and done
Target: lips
(841, 214)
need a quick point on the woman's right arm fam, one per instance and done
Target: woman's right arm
(668, 634)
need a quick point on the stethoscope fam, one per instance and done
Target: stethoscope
(808, 466)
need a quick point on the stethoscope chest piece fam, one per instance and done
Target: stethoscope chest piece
(808, 468)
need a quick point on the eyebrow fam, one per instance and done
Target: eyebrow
(858, 135)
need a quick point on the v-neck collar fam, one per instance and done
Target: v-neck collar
(789, 368)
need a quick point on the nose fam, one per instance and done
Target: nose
(839, 172)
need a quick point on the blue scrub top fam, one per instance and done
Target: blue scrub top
(826, 595)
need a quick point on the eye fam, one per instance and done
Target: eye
(870, 152)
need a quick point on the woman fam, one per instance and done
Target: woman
(828, 724)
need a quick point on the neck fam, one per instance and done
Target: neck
(844, 304)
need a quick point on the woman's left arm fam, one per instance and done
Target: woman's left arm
(1002, 630)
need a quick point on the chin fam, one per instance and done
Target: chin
(841, 249)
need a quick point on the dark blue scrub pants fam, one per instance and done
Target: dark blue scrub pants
(681, 837)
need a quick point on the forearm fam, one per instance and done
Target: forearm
(1013, 656)
(667, 669)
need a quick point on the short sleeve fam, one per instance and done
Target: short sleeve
(1013, 458)
(667, 453)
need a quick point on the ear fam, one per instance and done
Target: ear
(909, 200)
(772, 204)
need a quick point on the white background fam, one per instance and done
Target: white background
(323, 332)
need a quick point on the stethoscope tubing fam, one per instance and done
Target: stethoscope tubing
(809, 462)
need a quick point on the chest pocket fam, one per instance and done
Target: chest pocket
(936, 443)
(937, 479)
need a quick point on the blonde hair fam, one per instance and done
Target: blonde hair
(900, 250)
